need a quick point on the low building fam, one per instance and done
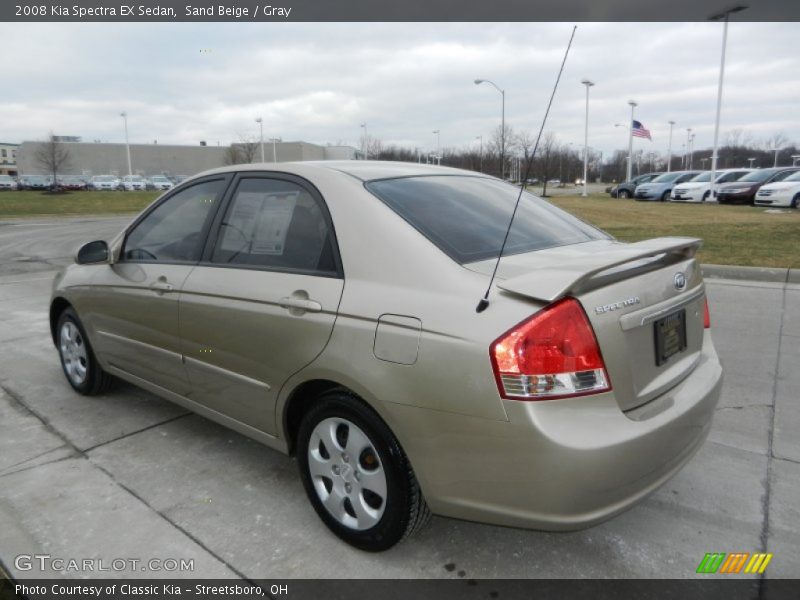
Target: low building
(8, 158)
(97, 158)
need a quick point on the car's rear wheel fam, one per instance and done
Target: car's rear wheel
(356, 475)
(623, 194)
(80, 366)
(665, 196)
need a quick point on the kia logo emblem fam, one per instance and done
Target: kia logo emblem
(680, 281)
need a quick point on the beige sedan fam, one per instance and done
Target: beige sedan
(328, 310)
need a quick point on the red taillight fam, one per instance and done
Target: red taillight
(706, 315)
(554, 354)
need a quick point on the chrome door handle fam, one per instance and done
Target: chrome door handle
(161, 286)
(303, 304)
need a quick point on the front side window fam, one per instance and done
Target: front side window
(172, 232)
(467, 217)
(275, 224)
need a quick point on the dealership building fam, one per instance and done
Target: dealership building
(98, 158)
(8, 158)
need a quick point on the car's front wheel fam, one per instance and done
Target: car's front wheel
(80, 366)
(623, 194)
(706, 196)
(665, 196)
(795, 201)
(356, 475)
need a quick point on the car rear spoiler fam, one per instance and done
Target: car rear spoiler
(574, 275)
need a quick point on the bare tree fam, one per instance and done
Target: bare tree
(53, 157)
(547, 148)
(242, 152)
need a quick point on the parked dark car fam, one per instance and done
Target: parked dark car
(625, 189)
(71, 182)
(743, 191)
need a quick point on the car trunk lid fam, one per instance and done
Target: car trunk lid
(644, 301)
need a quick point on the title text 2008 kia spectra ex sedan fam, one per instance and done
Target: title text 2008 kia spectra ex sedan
(329, 310)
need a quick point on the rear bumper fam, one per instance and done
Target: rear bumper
(562, 464)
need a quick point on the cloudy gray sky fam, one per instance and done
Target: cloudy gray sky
(181, 83)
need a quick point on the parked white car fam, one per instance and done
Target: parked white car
(7, 183)
(133, 183)
(781, 193)
(105, 182)
(698, 189)
(161, 182)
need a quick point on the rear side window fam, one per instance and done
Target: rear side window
(276, 224)
(467, 217)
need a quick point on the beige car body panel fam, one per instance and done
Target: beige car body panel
(401, 331)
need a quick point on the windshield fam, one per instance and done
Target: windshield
(467, 217)
(757, 176)
(704, 176)
(793, 177)
(667, 177)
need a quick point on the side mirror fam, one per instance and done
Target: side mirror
(92, 253)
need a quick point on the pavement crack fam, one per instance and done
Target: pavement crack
(170, 521)
(770, 455)
(6, 473)
(138, 431)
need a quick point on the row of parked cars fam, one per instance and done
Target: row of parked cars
(97, 182)
(778, 186)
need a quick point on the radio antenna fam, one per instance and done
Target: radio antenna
(484, 302)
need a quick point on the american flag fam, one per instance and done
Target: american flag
(639, 130)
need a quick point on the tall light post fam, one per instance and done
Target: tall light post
(723, 16)
(688, 147)
(633, 105)
(480, 153)
(691, 151)
(502, 125)
(124, 116)
(669, 148)
(274, 149)
(588, 84)
(775, 163)
(260, 122)
(365, 149)
(438, 146)
(795, 158)
(750, 160)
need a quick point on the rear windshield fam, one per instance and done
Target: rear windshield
(467, 217)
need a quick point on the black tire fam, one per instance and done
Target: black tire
(706, 196)
(665, 196)
(625, 194)
(96, 380)
(795, 201)
(404, 508)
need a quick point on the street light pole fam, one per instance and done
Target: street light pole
(588, 84)
(366, 142)
(502, 126)
(438, 147)
(260, 122)
(691, 151)
(775, 163)
(274, 151)
(750, 160)
(124, 116)
(669, 148)
(721, 16)
(480, 155)
(633, 105)
(688, 146)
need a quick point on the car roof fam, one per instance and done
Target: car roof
(363, 170)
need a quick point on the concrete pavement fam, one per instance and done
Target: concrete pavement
(127, 475)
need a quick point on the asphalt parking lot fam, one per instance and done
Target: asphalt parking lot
(127, 475)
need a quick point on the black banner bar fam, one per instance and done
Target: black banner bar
(399, 10)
